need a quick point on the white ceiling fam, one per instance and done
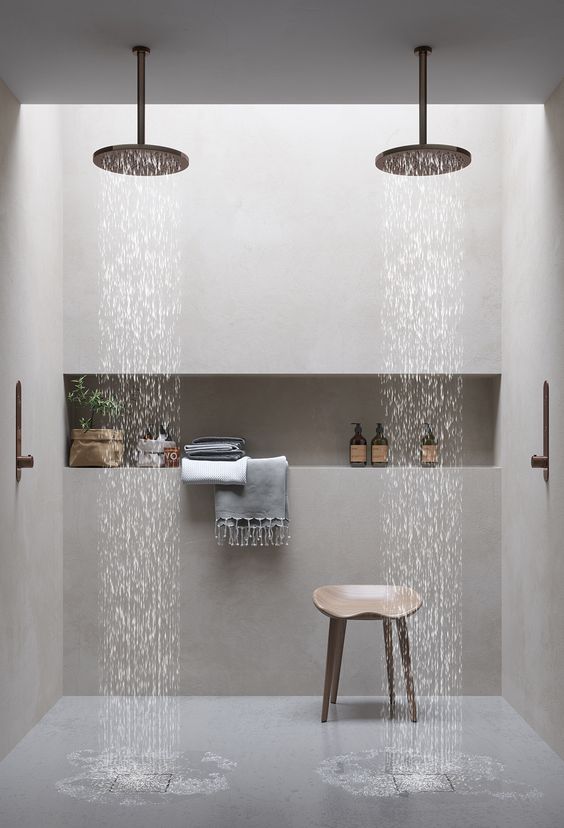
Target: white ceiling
(288, 51)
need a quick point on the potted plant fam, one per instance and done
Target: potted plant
(98, 447)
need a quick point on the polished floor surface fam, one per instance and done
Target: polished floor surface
(266, 762)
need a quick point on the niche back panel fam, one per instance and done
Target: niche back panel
(308, 418)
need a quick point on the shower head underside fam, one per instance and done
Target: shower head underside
(140, 158)
(423, 158)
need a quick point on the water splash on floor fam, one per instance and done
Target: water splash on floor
(104, 779)
(389, 772)
(422, 309)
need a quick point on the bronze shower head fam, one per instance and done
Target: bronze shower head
(140, 158)
(423, 158)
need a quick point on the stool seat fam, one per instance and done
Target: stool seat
(366, 601)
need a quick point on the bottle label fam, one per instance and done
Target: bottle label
(357, 454)
(429, 454)
(380, 454)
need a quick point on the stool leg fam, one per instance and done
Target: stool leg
(406, 660)
(342, 628)
(331, 642)
(390, 664)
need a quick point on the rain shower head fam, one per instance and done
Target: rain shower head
(140, 158)
(423, 158)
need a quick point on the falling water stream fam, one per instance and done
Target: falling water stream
(139, 543)
(422, 507)
(139, 560)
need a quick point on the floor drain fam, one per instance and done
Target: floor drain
(418, 782)
(141, 783)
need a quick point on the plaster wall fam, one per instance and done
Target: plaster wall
(282, 212)
(533, 350)
(248, 625)
(31, 543)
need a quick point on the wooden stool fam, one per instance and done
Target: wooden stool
(353, 602)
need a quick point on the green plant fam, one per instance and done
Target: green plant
(95, 400)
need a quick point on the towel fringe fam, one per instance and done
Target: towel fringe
(256, 532)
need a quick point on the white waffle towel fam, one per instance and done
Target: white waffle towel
(226, 472)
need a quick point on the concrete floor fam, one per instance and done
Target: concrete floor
(266, 762)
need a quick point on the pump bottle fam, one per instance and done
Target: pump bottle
(357, 447)
(379, 448)
(429, 447)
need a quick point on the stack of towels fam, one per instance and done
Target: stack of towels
(251, 498)
(215, 460)
(216, 448)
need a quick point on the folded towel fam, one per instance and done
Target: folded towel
(214, 471)
(215, 448)
(212, 448)
(239, 441)
(257, 513)
(213, 451)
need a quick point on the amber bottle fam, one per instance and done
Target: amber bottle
(357, 447)
(429, 447)
(379, 449)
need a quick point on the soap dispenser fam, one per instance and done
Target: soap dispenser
(429, 447)
(357, 447)
(379, 447)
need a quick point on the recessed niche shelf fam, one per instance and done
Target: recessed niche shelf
(392, 468)
(307, 417)
(373, 469)
(124, 469)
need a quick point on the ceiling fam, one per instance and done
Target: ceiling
(289, 51)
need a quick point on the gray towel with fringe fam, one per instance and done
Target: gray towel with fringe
(255, 514)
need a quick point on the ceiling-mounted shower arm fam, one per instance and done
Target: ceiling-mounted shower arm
(140, 158)
(423, 51)
(423, 158)
(141, 51)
